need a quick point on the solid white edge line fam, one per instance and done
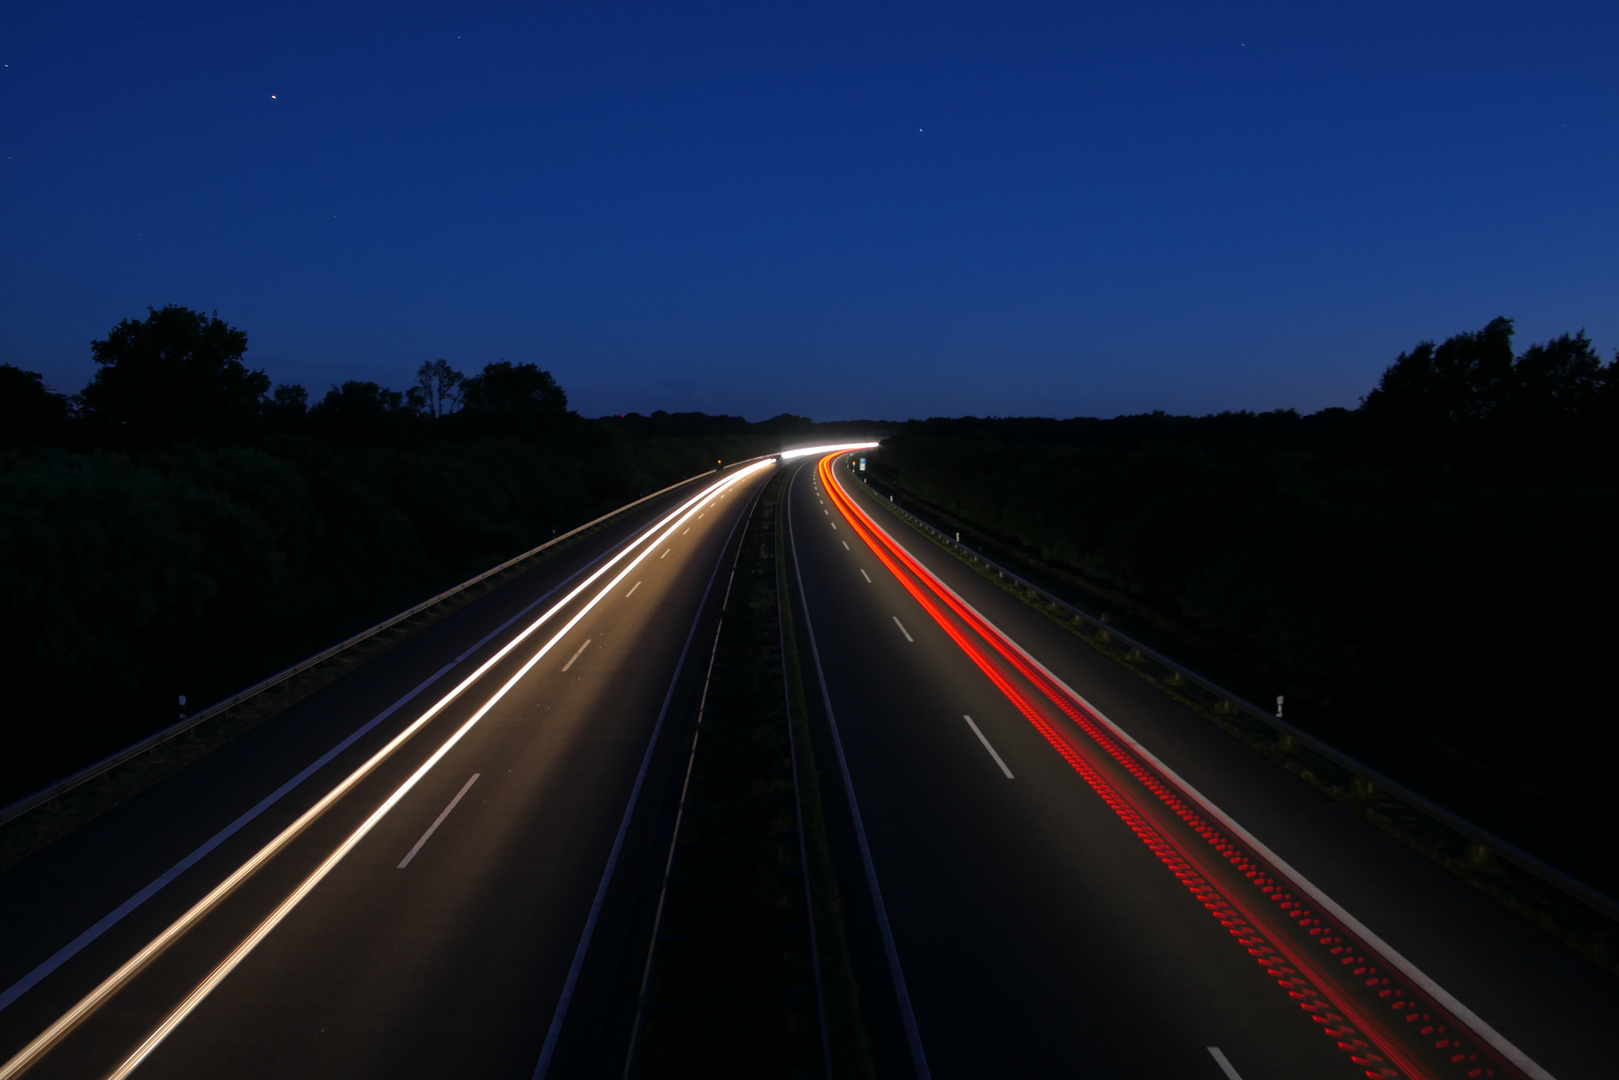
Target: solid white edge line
(632, 1055)
(913, 1034)
(1498, 1041)
(631, 593)
(988, 747)
(42, 1042)
(560, 1015)
(902, 630)
(433, 828)
(112, 918)
(72, 948)
(1225, 1066)
(240, 953)
(581, 648)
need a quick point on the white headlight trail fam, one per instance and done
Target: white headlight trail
(42, 1043)
(805, 451)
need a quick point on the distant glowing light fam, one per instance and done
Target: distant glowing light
(804, 451)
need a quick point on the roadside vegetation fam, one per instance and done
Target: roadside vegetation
(181, 527)
(1427, 579)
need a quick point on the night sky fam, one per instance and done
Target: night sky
(863, 210)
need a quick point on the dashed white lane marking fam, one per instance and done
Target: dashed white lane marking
(1328, 904)
(865, 575)
(581, 648)
(833, 524)
(686, 530)
(702, 515)
(901, 626)
(846, 545)
(825, 511)
(631, 593)
(1225, 1066)
(988, 747)
(665, 554)
(442, 814)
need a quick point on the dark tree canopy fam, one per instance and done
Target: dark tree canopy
(437, 392)
(30, 413)
(360, 412)
(513, 399)
(514, 389)
(1474, 377)
(176, 377)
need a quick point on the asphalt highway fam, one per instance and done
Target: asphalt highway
(1045, 910)
(1046, 866)
(464, 908)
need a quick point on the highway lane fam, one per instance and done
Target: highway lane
(449, 965)
(1038, 933)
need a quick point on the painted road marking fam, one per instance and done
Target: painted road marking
(686, 530)
(833, 524)
(996, 756)
(1225, 1066)
(1442, 997)
(444, 813)
(42, 1043)
(631, 593)
(846, 545)
(902, 629)
(581, 649)
(665, 554)
(865, 575)
(72, 948)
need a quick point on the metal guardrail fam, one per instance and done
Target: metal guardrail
(66, 784)
(1580, 891)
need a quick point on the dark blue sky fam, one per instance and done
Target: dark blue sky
(841, 210)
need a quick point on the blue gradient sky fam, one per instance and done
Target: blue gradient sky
(841, 210)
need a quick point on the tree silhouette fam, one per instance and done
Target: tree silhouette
(438, 389)
(513, 399)
(360, 412)
(176, 377)
(1469, 377)
(30, 413)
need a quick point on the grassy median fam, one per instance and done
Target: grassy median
(732, 986)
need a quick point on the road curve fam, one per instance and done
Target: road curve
(1061, 897)
(462, 906)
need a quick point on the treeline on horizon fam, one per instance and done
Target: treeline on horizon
(180, 526)
(1429, 579)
